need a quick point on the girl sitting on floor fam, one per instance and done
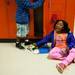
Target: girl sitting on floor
(63, 44)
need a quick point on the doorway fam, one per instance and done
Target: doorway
(38, 21)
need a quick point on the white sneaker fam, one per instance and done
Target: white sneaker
(36, 51)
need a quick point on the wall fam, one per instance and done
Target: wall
(52, 10)
(59, 9)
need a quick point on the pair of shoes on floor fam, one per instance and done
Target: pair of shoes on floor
(18, 45)
(60, 67)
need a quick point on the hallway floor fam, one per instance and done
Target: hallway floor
(22, 62)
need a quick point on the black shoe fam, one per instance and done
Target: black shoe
(27, 42)
(18, 45)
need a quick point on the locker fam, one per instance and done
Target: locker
(51, 10)
(11, 10)
(3, 20)
(54, 9)
(7, 19)
(62, 9)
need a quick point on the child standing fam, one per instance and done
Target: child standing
(22, 19)
(63, 44)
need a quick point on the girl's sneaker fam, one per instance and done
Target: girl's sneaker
(60, 67)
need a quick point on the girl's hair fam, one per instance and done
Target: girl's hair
(66, 29)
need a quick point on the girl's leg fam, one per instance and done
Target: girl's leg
(61, 66)
(70, 57)
(56, 53)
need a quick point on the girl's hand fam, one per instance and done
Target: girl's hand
(32, 47)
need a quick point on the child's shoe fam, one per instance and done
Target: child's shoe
(27, 42)
(36, 51)
(74, 60)
(33, 49)
(60, 67)
(18, 45)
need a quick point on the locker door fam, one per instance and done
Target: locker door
(38, 21)
(3, 20)
(53, 7)
(11, 13)
(70, 13)
(31, 23)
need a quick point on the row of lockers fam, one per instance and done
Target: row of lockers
(52, 9)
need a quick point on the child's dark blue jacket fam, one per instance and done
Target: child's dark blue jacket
(50, 38)
(22, 16)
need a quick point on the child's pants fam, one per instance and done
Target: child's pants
(56, 53)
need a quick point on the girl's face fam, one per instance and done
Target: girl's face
(59, 26)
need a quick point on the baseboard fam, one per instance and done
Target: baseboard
(14, 40)
(7, 40)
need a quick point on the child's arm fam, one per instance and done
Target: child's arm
(33, 5)
(47, 38)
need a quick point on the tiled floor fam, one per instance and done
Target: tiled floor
(22, 62)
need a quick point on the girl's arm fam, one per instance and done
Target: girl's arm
(71, 41)
(47, 38)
